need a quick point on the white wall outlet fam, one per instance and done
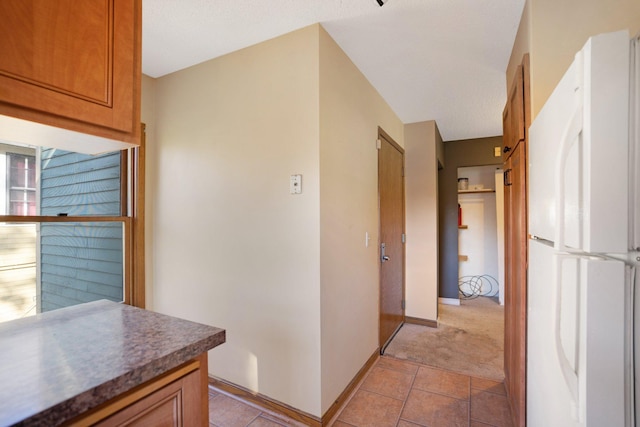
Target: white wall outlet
(295, 184)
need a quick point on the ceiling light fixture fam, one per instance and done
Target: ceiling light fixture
(382, 2)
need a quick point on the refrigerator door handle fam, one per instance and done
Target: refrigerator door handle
(569, 136)
(569, 374)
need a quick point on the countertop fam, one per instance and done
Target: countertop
(57, 365)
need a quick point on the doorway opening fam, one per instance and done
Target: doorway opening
(480, 233)
(469, 338)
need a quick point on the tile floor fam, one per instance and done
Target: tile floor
(227, 411)
(394, 393)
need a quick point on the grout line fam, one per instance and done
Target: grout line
(404, 402)
(253, 419)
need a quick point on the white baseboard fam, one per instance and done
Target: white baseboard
(449, 301)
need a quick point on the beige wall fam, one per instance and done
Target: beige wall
(350, 113)
(232, 248)
(421, 191)
(558, 29)
(288, 276)
(521, 45)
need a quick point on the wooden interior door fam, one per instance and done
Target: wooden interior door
(391, 194)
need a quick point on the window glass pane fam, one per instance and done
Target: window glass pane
(79, 184)
(31, 177)
(79, 262)
(22, 202)
(21, 166)
(16, 178)
(17, 271)
(16, 195)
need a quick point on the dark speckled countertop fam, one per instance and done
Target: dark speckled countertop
(57, 365)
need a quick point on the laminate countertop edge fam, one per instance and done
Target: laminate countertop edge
(62, 363)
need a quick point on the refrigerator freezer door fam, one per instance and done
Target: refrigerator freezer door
(578, 152)
(575, 340)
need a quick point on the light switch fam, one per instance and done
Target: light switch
(295, 184)
(497, 152)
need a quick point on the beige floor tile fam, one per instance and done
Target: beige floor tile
(490, 408)
(227, 412)
(488, 385)
(431, 409)
(387, 382)
(263, 422)
(397, 365)
(280, 419)
(442, 382)
(368, 409)
(404, 423)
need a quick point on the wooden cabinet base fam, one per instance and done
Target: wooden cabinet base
(177, 398)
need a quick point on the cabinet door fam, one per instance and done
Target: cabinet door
(513, 121)
(73, 64)
(177, 404)
(515, 282)
(177, 398)
(516, 120)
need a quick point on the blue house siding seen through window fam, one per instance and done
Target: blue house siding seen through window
(80, 262)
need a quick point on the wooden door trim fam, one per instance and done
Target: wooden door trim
(137, 259)
(384, 135)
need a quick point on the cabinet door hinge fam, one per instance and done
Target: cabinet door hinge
(403, 304)
(378, 144)
(404, 238)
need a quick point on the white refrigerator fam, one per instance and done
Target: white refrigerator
(584, 238)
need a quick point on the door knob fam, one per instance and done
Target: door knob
(383, 257)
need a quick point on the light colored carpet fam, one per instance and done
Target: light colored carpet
(469, 339)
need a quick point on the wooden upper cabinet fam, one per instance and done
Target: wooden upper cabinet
(73, 64)
(513, 116)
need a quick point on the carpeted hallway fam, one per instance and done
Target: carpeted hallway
(469, 339)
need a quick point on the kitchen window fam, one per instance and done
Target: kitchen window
(73, 230)
(21, 184)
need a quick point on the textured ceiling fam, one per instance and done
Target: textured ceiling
(442, 60)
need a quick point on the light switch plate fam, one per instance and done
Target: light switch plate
(295, 184)
(497, 152)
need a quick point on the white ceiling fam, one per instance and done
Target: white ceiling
(442, 60)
